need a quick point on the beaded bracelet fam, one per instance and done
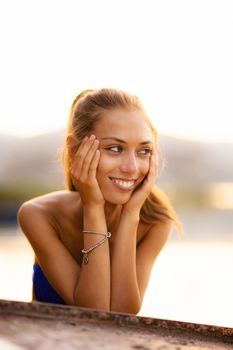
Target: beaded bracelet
(89, 250)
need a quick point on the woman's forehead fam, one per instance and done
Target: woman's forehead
(123, 124)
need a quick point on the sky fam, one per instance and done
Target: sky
(176, 55)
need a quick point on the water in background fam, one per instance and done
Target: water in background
(191, 279)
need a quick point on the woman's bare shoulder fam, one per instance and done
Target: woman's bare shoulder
(50, 205)
(51, 200)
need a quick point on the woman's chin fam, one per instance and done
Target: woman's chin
(117, 200)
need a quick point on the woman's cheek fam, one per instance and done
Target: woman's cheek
(104, 167)
(107, 162)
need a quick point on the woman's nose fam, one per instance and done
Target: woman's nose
(129, 164)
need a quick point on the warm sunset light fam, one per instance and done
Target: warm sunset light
(221, 195)
(51, 50)
(176, 56)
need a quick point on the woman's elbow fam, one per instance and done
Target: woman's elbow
(94, 304)
(129, 308)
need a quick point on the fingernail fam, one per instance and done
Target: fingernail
(92, 137)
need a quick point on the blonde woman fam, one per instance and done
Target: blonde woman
(96, 242)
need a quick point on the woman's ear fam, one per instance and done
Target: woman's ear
(72, 145)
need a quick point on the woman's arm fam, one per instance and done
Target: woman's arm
(148, 250)
(125, 294)
(131, 265)
(87, 285)
(59, 266)
(93, 288)
(126, 291)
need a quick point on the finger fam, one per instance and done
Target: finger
(152, 171)
(88, 159)
(81, 144)
(76, 162)
(156, 163)
(94, 165)
(81, 155)
(154, 160)
(85, 146)
(153, 168)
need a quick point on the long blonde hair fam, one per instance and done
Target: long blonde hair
(85, 112)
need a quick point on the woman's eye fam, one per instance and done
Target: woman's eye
(145, 151)
(119, 149)
(115, 149)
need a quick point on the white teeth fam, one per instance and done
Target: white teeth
(123, 184)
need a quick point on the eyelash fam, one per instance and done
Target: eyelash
(148, 150)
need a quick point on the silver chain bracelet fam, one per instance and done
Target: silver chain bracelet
(85, 252)
(94, 233)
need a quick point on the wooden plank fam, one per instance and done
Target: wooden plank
(46, 326)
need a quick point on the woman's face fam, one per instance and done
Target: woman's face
(126, 141)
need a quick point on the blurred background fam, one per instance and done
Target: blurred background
(177, 57)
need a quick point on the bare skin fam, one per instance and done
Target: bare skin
(113, 178)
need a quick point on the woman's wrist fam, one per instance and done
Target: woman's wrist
(97, 208)
(94, 218)
(131, 215)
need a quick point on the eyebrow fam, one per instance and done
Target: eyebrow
(122, 141)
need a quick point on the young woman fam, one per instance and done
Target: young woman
(95, 243)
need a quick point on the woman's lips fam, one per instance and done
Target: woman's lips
(123, 184)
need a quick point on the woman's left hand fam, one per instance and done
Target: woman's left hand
(139, 196)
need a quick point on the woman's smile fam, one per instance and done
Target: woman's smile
(123, 184)
(125, 154)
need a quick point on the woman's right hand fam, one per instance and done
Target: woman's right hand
(83, 172)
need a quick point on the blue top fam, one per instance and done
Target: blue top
(42, 288)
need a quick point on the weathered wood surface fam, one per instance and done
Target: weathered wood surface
(43, 326)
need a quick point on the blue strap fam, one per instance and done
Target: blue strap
(42, 288)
